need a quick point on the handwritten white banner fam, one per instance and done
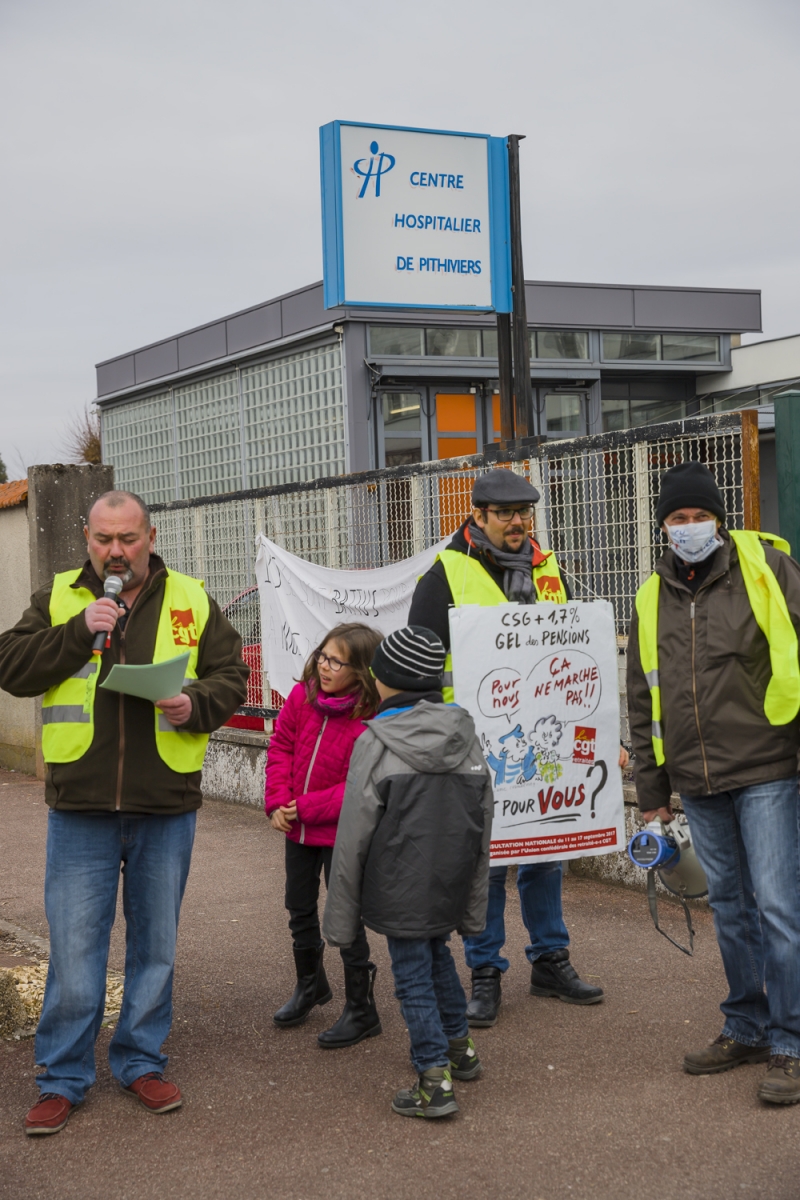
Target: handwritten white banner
(301, 602)
(541, 683)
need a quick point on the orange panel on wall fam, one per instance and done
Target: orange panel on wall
(454, 447)
(496, 417)
(455, 414)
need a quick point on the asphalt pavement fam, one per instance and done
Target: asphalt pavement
(573, 1103)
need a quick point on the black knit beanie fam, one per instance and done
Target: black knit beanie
(410, 659)
(689, 485)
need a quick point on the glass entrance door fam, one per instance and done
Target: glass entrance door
(563, 414)
(403, 433)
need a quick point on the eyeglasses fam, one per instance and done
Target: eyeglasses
(335, 664)
(507, 514)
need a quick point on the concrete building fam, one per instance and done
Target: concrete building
(758, 373)
(288, 391)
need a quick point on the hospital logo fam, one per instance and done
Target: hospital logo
(583, 745)
(377, 165)
(184, 630)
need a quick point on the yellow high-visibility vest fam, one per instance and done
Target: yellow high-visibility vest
(782, 699)
(68, 708)
(470, 583)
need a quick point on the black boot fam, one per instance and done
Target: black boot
(312, 987)
(485, 1000)
(554, 975)
(360, 1018)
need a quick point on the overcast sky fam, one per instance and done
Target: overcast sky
(160, 163)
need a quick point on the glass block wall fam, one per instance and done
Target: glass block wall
(279, 421)
(294, 418)
(138, 439)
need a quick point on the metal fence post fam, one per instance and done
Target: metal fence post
(787, 455)
(644, 536)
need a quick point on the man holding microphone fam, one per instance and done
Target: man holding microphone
(123, 787)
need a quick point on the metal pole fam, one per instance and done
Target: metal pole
(506, 373)
(522, 346)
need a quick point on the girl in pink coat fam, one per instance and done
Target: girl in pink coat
(307, 763)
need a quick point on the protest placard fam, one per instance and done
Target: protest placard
(540, 681)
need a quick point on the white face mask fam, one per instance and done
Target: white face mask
(694, 542)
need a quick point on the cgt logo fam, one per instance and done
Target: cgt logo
(378, 164)
(184, 630)
(583, 746)
(548, 585)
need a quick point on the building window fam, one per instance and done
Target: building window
(689, 347)
(396, 339)
(294, 417)
(640, 346)
(490, 343)
(551, 343)
(454, 343)
(138, 441)
(661, 347)
(627, 413)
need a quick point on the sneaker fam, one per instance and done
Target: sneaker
(432, 1097)
(723, 1054)
(49, 1114)
(464, 1061)
(155, 1093)
(781, 1084)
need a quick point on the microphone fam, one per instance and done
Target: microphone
(111, 588)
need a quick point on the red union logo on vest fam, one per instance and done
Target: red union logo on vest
(184, 630)
(548, 585)
(583, 746)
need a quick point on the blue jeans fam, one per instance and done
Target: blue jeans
(748, 844)
(84, 853)
(539, 886)
(431, 998)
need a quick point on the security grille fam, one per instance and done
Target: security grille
(597, 513)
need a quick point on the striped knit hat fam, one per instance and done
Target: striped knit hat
(410, 659)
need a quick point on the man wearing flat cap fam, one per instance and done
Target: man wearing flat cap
(493, 559)
(713, 703)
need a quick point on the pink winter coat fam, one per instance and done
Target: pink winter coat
(307, 761)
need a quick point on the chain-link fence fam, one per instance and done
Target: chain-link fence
(597, 512)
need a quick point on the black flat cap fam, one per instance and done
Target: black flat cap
(503, 487)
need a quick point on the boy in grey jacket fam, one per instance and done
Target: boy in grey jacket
(412, 856)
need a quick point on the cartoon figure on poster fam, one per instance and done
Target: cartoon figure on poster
(533, 719)
(570, 685)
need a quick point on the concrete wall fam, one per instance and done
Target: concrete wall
(17, 716)
(234, 767)
(756, 365)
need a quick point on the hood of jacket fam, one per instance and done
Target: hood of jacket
(429, 737)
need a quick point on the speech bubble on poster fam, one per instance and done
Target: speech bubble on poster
(566, 685)
(498, 694)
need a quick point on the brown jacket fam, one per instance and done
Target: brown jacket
(714, 668)
(122, 770)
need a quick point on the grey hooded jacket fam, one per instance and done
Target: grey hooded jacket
(412, 848)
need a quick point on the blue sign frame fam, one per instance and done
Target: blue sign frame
(332, 227)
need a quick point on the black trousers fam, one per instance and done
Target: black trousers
(304, 865)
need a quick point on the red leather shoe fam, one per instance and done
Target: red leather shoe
(49, 1114)
(155, 1093)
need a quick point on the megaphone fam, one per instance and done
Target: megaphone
(667, 850)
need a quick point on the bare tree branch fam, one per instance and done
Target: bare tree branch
(81, 441)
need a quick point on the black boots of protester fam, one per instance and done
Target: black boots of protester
(360, 1019)
(312, 987)
(485, 999)
(554, 975)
